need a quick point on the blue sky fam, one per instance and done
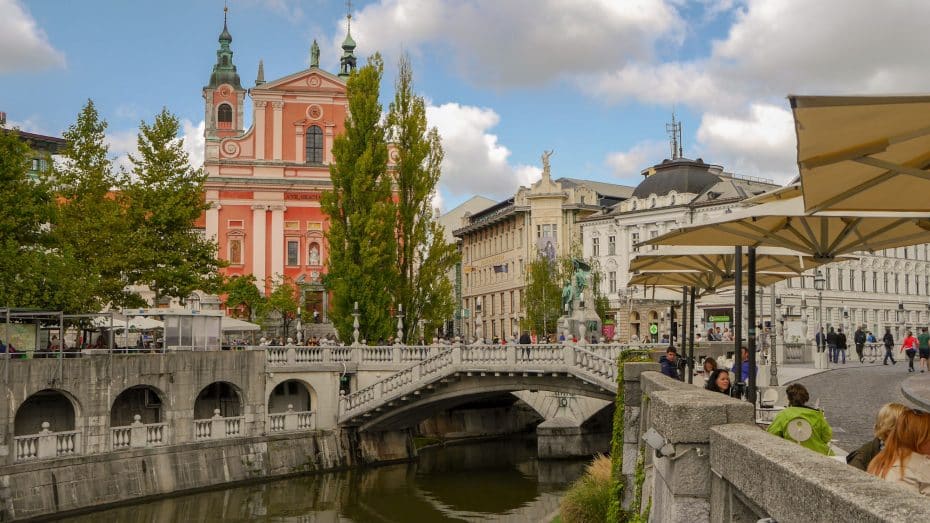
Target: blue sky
(596, 80)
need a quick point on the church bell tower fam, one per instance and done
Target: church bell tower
(223, 96)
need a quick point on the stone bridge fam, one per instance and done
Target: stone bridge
(462, 374)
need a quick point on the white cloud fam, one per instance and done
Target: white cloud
(627, 165)
(23, 45)
(494, 42)
(194, 142)
(474, 162)
(760, 143)
(122, 144)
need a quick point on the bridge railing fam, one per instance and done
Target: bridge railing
(139, 435)
(596, 363)
(47, 444)
(291, 420)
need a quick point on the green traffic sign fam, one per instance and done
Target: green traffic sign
(715, 319)
(653, 329)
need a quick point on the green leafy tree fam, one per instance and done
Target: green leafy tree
(281, 303)
(543, 296)
(423, 256)
(90, 224)
(242, 294)
(165, 196)
(362, 245)
(601, 302)
(26, 206)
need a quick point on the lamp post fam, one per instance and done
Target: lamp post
(773, 348)
(899, 316)
(819, 284)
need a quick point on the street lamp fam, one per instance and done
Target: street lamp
(819, 283)
(899, 316)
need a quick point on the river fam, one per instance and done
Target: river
(498, 480)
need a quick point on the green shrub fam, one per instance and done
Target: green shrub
(588, 500)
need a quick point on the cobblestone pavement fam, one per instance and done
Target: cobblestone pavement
(851, 395)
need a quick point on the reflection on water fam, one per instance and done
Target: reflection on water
(487, 481)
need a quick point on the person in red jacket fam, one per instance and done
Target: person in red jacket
(909, 346)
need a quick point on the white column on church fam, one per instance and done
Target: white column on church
(277, 131)
(260, 129)
(329, 135)
(213, 221)
(258, 244)
(277, 240)
(299, 143)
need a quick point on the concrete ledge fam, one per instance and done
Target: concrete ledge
(917, 390)
(632, 370)
(791, 483)
(686, 416)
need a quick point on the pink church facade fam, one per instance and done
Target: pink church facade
(264, 183)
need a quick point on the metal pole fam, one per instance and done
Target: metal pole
(773, 363)
(691, 331)
(751, 283)
(683, 340)
(738, 312)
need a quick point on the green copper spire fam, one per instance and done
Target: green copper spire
(347, 62)
(224, 71)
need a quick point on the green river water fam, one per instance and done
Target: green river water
(497, 480)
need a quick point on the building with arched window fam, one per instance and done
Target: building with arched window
(265, 181)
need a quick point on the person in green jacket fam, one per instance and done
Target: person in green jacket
(821, 433)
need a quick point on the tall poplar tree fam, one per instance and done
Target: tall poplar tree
(362, 245)
(90, 221)
(165, 196)
(423, 256)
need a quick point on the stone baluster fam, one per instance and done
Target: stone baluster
(355, 333)
(48, 442)
(400, 324)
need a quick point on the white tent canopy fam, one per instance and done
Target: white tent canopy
(145, 323)
(234, 325)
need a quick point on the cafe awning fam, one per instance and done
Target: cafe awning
(863, 152)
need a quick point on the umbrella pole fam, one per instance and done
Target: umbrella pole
(691, 331)
(738, 314)
(682, 340)
(751, 324)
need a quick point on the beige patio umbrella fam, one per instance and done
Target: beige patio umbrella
(825, 236)
(705, 283)
(720, 260)
(792, 190)
(863, 152)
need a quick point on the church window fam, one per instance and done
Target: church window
(611, 245)
(314, 144)
(224, 116)
(293, 253)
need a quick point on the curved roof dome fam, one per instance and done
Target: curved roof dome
(680, 175)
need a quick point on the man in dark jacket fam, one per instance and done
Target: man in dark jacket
(669, 363)
(859, 339)
(888, 340)
(840, 345)
(831, 345)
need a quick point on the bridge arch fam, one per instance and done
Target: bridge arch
(57, 407)
(297, 393)
(219, 395)
(145, 400)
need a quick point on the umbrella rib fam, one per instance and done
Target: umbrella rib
(784, 242)
(708, 264)
(848, 228)
(897, 242)
(867, 237)
(894, 168)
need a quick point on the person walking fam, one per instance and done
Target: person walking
(821, 340)
(909, 346)
(873, 346)
(888, 340)
(841, 344)
(831, 345)
(923, 347)
(859, 340)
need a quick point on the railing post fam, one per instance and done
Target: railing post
(355, 354)
(568, 355)
(291, 356)
(47, 442)
(290, 418)
(395, 354)
(218, 430)
(327, 355)
(511, 354)
(457, 355)
(137, 434)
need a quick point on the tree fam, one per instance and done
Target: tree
(26, 207)
(543, 296)
(90, 223)
(241, 293)
(601, 302)
(281, 303)
(166, 197)
(361, 239)
(423, 256)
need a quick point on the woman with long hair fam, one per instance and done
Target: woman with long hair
(719, 381)
(884, 424)
(906, 457)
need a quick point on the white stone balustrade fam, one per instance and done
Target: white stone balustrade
(138, 435)
(588, 365)
(218, 427)
(47, 444)
(291, 420)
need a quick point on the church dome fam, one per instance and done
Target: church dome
(680, 175)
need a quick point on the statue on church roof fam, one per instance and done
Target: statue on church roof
(545, 162)
(314, 54)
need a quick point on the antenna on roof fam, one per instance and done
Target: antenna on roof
(674, 136)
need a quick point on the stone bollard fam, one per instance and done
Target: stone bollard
(395, 354)
(290, 418)
(137, 436)
(47, 442)
(218, 430)
(291, 356)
